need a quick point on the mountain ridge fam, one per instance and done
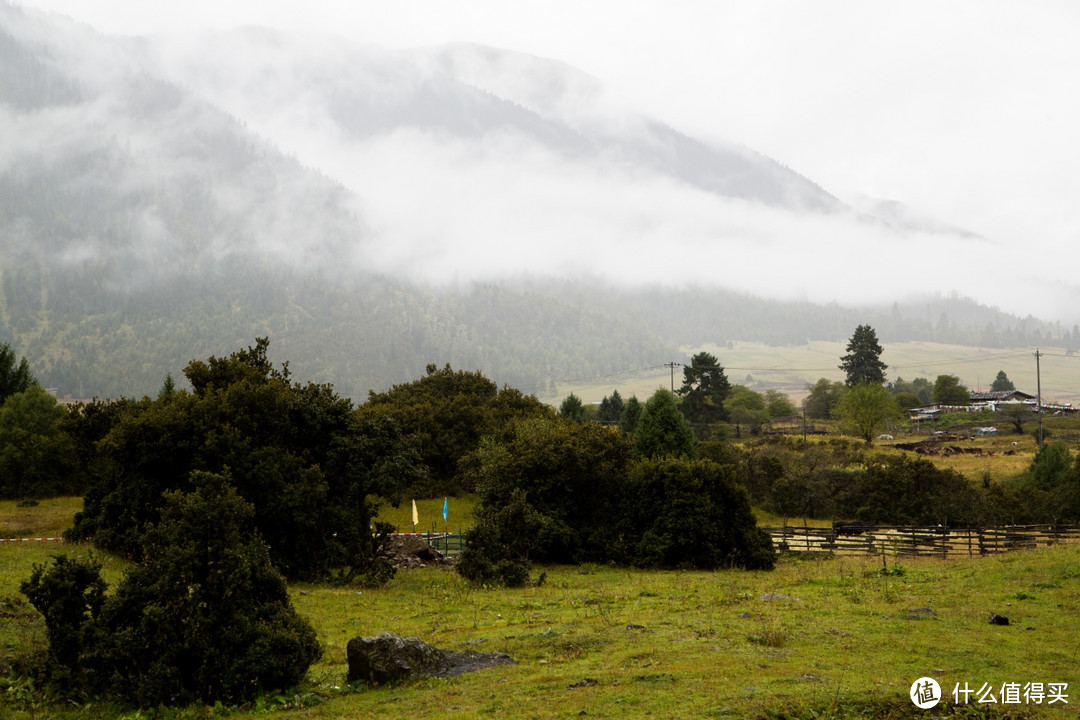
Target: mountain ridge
(145, 223)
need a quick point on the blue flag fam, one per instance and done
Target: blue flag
(445, 508)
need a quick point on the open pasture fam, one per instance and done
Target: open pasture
(820, 637)
(790, 368)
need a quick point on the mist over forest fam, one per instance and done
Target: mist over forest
(373, 211)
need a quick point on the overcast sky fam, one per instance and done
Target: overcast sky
(966, 110)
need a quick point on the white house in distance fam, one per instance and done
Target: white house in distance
(993, 400)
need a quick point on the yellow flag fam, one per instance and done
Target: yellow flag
(415, 517)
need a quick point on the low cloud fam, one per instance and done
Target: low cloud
(446, 210)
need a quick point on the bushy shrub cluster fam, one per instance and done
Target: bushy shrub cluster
(1047, 492)
(205, 617)
(37, 458)
(448, 412)
(300, 455)
(680, 513)
(900, 490)
(842, 479)
(557, 491)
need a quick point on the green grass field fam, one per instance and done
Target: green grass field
(841, 638)
(49, 518)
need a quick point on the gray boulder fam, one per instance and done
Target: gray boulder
(389, 658)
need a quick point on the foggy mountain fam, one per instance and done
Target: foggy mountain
(296, 88)
(371, 211)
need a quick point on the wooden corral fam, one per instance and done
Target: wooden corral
(919, 541)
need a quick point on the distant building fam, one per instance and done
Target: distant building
(993, 400)
(1000, 396)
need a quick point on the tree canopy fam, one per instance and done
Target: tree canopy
(447, 412)
(611, 408)
(559, 479)
(15, 374)
(662, 430)
(865, 409)
(704, 389)
(37, 456)
(631, 415)
(862, 364)
(921, 388)
(746, 408)
(949, 391)
(823, 398)
(552, 490)
(1002, 383)
(572, 408)
(299, 454)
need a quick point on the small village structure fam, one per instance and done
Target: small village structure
(994, 401)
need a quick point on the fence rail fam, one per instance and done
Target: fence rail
(446, 543)
(920, 541)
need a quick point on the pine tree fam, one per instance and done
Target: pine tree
(863, 361)
(1002, 382)
(704, 389)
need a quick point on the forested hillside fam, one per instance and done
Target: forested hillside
(373, 332)
(143, 223)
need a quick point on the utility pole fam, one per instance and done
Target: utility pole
(1038, 395)
(672, 365)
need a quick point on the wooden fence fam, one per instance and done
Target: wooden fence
(920, 541)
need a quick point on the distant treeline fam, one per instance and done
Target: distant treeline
(87, 338)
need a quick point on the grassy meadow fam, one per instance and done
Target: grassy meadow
(822, 637)
(790, 368)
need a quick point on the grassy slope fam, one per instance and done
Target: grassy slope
(626, 643)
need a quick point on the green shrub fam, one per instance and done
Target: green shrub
(498, 547)
(905, 491)
(69, 594)
(682, 513)
(205, 617)
(300, 455)
(556, 491)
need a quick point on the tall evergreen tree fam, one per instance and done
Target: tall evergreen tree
(663, 431)
(863, 360)
(1002, 382)
(630, 415)
(611, 408)
(704, 389)
(572, 408)
(15, 374)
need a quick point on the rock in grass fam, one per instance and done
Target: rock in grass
(923, 613)
(389, 658)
